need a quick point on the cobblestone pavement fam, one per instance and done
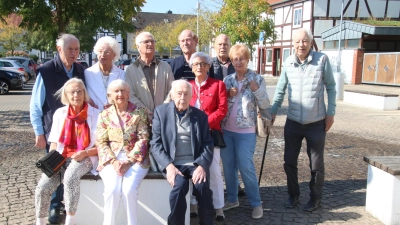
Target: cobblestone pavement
(357, 132)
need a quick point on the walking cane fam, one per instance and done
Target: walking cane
(263, 158)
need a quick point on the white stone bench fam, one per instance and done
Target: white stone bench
(370, 99)
(383, 188)
(153, 201)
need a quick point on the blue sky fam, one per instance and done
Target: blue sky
(176, 6)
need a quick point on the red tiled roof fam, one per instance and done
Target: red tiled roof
(274, 1)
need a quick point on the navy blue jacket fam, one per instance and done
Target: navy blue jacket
(54, 77)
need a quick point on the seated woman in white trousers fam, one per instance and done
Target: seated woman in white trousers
(122, 136)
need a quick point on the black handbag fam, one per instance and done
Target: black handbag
(51, 163)
(218, 138)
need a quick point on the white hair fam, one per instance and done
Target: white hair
(114, 45)
(118, 83)
(65, 38)
(141, 35)
(61, 93)
(201, 55)
(304, 30)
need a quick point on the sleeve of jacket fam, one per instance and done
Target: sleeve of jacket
(280, 91)
(140, 149)
(261, 94)
(207, 144)
(215, 118)
(102, 140)
(130, 79)
(157, 148)
(330, 86)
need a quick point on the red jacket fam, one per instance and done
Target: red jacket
(213, 101)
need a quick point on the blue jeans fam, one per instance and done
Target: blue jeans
(238, 155)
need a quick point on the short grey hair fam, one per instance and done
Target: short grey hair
(65, 38)
(141, 35)
(176, 83)
(110, 41)
(304, 30)
(201, 55)
(118, 83)
(61, 93)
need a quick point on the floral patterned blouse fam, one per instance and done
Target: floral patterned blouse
(132, 138)
(248, 100)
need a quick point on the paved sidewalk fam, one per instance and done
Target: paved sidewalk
(357, 132)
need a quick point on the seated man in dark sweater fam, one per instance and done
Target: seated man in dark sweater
(183, 148)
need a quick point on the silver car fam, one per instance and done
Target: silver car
(28, 63)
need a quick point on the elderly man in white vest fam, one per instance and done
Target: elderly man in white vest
(306, 74)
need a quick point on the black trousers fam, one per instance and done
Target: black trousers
(177, 198)
(315, 134)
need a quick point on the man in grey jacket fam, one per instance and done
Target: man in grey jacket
(306, 74)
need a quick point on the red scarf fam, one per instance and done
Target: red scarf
(78, 123)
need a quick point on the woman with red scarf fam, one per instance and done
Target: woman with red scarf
(72, 135)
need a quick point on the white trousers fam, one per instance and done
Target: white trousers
(125, 186)
(216, 182)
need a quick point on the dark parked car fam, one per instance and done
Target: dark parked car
(83, 63)
(167, 60)
(9, 80)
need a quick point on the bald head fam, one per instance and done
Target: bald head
(188, 41)
(222, 45)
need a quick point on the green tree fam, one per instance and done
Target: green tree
(241, 20)
(11, 35)
(47, 15)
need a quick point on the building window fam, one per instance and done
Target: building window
(353, 43)
(286, 53)
(297, 17)
(329, 44)
(269, 56)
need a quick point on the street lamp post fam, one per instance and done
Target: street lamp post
(198, 35)
(338, 75)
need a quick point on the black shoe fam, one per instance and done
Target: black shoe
(292, 201)
(193, 214)
(54, 216)
(241, 191)
(219, 218)
(312, 205)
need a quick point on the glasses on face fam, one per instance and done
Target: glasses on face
(107, 52)
(201, 64)
(78, 92)
(148, 42)
(236, 60)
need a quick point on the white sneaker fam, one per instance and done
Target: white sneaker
(230, 205)
(257, 212)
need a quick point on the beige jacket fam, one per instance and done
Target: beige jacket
(140, 94)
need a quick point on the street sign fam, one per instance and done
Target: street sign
(261, 39)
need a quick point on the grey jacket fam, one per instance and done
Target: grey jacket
(163, 142)
(306, 84)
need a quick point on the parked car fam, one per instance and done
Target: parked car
(167, 60)
(83, 63)
(14, 65)
(43, 61)
(124, 63)
(9, 80)
(29, 65)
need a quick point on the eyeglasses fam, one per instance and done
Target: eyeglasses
(236, 60)
(201, 64)
(148, 42)
(101, 52)
(78, 92)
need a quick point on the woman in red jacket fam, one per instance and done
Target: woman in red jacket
(210, 96)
